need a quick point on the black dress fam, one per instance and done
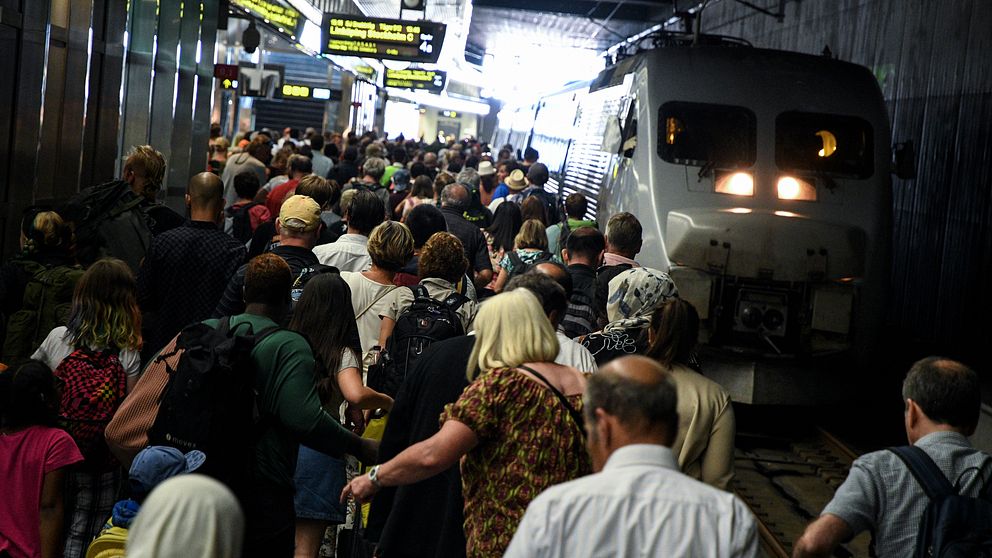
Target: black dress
(424, 519)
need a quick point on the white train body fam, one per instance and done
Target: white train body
(761, 179)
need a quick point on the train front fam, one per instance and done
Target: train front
(769, 178)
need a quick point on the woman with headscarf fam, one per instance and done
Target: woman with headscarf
(634, 295)
(189, 516)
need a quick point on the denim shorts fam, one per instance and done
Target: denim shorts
(319, 480)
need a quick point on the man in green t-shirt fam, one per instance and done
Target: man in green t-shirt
(290, 411)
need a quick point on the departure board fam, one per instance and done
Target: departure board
(392, 39)
(277, 15)
(415, 78)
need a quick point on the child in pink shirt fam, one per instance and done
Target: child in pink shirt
(33, 459)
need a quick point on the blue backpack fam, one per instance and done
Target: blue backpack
(952, 526)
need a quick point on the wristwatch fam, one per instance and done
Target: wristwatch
(374, 476)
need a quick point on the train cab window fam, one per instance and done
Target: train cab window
(703, 134)
(828, 143)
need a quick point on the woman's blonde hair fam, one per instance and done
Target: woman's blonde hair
(511, 329)
(390, 245)
(104, 311)
(532, 235)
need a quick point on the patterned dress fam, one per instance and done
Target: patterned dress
(527, 443)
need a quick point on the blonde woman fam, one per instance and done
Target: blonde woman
(516, 425)
(390, 247)
(530, 247)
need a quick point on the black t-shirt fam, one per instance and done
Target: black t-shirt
(472, 240)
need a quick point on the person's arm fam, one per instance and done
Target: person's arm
(418, 462)
(822, 537)
(232, 301)
(297, 407)
(501, 280)
(483, 277)
(358, 394)
(52, 513)
(386, 330)
(481, 262)
(717, 467)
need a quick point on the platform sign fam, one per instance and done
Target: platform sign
(266, 82)
(392, 39)
(301, 91)
(416, 79)
(277, 15)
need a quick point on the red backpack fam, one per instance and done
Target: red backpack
(94, 384)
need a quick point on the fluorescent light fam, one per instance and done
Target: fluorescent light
(442, 101)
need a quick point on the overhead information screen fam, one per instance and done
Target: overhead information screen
(415, 78)
(392, 39)
(277, 15)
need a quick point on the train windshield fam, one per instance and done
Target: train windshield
(828, 143)
(701, 134)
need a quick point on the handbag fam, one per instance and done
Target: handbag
(127, 432)
(572, 411)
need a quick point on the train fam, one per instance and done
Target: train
(762, 181)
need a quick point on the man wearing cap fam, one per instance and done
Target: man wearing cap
(150, 468)
(400, 184)
(298, 225)
(487, 182)
(516, 182)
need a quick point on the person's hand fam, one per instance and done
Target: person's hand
(361, 488)
(355, 419)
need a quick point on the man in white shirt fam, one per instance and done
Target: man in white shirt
(638, 503)
(554, 301)
(350, 251)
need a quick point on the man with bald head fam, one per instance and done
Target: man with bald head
(637, 503)
(186, 269)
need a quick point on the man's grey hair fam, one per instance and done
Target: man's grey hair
(374, 167)
(469, 176)
(635, 404)
(455, 196)
(947, 391)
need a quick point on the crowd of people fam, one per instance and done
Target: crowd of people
(340, 320)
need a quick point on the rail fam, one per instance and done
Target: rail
(787, 481)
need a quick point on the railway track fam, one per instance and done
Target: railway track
(786, 481)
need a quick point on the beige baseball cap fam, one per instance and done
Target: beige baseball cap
(300, 213)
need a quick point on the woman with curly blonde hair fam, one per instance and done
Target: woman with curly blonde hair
(96, 358)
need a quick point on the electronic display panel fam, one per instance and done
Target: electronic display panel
(391, 39)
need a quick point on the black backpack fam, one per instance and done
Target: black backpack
(426, 321)
(241, 221)
(209, 402)
(520, 267)
(110, 220)
(550, 203)
(952, 526)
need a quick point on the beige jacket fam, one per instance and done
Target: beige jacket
(705, 442)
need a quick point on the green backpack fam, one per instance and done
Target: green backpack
(47, 301)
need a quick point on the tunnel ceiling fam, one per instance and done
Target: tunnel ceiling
(576, 23)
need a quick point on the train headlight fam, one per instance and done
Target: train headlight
(738, 184)
(792, 188)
